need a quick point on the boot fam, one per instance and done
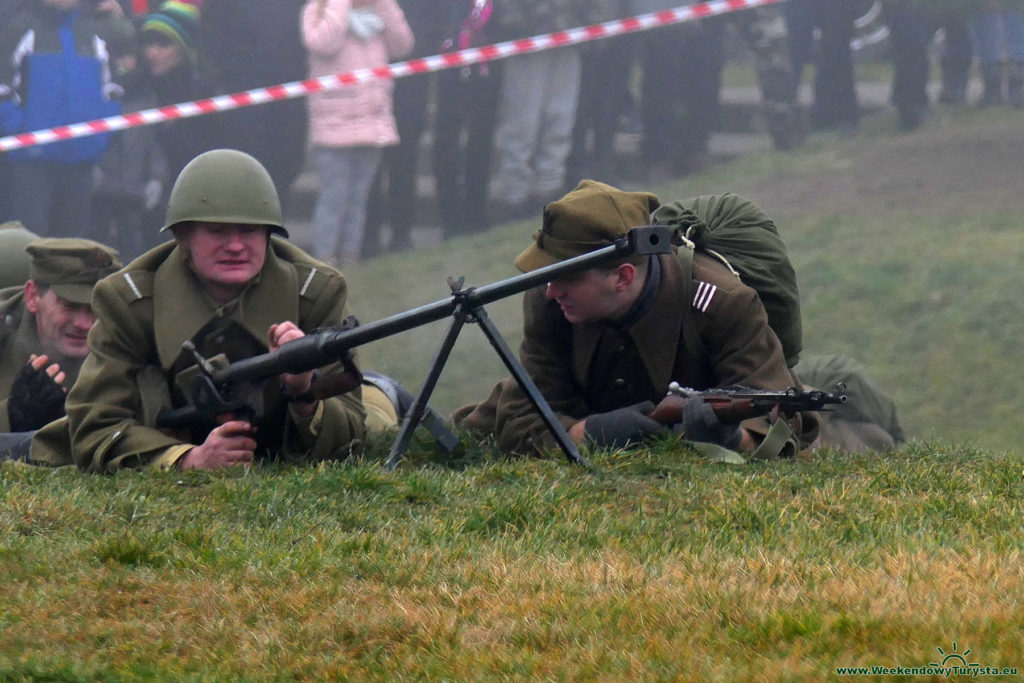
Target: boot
(992, 77)
(1015, 84)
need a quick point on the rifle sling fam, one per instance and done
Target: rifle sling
(774, 441)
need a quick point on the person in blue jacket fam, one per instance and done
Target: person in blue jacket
(56, 69)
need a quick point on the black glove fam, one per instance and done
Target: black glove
(623, 426)
(700, 423)
(35, 400)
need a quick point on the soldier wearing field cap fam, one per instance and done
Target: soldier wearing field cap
(604, 345)
(44, 324)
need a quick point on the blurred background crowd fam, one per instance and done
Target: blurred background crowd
(498, 140)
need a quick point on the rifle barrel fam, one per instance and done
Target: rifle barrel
(319, 348)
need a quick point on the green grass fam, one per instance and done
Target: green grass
(656, 566)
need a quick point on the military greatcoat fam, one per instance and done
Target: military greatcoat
(147, 310)
(590, 368)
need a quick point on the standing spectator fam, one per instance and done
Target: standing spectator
(393, 198)
(537, 106)
(171, 60)
(350, 125)
(55, 69)
(835, 96)
(8, 9)
(912, 24)
(252, 44)
(467, 109)
(682, 67)
(130, 178)
(997, 31)
(604, 94)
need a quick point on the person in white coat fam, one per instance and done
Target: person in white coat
(351, 125)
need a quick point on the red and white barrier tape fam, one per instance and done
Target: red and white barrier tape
(433, 63)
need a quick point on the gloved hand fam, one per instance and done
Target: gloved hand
(623, 426)
(35, 400)
(700, 423)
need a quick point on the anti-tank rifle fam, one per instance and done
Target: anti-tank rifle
(219, 388)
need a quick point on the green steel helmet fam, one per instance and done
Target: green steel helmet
(14, 260)
(225, 186)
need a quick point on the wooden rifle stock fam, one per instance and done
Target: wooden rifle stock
(733, 405)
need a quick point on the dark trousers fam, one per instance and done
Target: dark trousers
(835, 96)
(52, 199)
(911, 31)
(467, 104)
(604, 94)
(682, 68)
(393, 197)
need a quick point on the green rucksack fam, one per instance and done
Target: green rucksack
(735, 231)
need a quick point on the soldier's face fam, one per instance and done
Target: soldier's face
(62, 326)
(588, 297)
(225, 256)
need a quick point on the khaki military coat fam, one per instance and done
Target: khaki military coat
(590, 368)
(144, 313)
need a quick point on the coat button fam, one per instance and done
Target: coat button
(619, 383)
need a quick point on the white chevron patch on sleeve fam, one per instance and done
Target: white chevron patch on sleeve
(705, 293)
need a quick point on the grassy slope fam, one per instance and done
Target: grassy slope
(907, 250)
(656, 566)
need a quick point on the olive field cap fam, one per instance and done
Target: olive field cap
(590, 217)
(71, 266)
(14, 260)
(225, 186)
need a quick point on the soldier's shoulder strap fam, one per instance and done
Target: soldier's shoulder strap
(133, 285)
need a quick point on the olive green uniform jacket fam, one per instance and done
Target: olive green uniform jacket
(145, 311)
(19, 340)
(594, 367)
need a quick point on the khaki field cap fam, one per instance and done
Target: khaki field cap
(590, 217)
(71, 266)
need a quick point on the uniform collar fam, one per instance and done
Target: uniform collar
(655, 333)
(182, 307)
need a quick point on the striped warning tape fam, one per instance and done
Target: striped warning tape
(433, 63)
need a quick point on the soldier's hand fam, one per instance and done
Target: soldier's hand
(296, 385)
(231, 443)
(700, 423)
(37, 395)
(622, 427)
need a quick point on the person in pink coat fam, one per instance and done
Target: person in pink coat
(350, 126)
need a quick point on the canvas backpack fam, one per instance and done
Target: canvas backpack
(736, 232)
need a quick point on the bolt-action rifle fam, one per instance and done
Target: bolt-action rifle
(217, 387)
(732, 405)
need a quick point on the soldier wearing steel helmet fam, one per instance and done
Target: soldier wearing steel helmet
(229, 283)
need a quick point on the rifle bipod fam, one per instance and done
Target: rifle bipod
(468, 310)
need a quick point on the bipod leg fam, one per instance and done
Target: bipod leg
(529, 388)
(419, 406)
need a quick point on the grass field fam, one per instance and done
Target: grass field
(655, 566)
